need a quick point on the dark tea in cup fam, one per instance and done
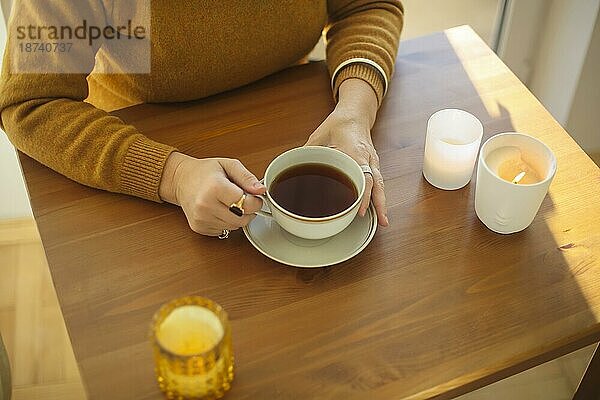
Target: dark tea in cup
(313, 190)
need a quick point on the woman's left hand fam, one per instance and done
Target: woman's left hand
(348, 128)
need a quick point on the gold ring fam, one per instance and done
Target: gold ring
(238, 207)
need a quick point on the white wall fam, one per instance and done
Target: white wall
(562, 51)
(14, 202)
(584, 119)
(522, 34)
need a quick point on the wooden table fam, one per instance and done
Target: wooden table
(436, 305)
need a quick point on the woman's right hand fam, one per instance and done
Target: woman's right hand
(205, 188)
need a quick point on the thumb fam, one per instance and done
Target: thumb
(239, 175)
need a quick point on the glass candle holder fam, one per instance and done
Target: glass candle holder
(451, 146)
(191, 340)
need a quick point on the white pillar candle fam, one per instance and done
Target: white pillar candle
(451, 145)
(514, 173)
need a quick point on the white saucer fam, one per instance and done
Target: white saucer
(281, 246)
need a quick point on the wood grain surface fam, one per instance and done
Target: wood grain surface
(435, 306)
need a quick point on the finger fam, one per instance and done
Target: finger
(226, 224)
(239, 175)
(219, 228)
(228, 192)
(207, 224)
(232, 221)
(252, 204)
(214, 232)
(366, 199)
(208, 231)
(378, 196)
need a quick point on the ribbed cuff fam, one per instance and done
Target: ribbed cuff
(360, 71)
(142, 168)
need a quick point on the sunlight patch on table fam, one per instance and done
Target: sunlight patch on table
(476, 64)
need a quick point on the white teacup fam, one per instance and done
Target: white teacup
(310, 227)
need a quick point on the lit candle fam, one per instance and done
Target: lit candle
(518, 177)
(451, 145)
(190, 330)
(513, 176)
(511, 164)
(192, 349)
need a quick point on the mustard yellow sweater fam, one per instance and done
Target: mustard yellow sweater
(198, 48)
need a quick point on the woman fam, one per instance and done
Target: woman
(198, 48)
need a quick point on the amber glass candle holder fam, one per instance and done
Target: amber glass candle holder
(191, 339)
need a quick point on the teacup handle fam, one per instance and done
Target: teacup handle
(264, 211)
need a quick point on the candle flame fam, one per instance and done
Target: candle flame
(518, 178)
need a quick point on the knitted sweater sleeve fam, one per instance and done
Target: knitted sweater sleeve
(362, 37)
